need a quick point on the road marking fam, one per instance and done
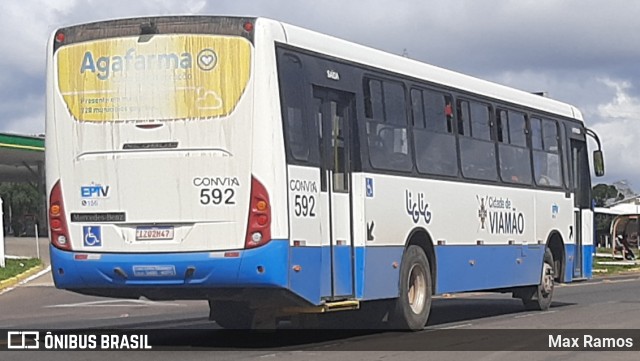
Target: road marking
(620, 281)
(451, 327)
(596, 282)
(116, 303)
(31, 278)
(534, 314)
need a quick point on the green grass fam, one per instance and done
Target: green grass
(14, 267)
(599, 269)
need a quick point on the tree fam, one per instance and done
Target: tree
(603, 192)
(19, 199)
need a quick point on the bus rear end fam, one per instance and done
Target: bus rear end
(149, 159)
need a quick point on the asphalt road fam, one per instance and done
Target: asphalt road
(611, 303)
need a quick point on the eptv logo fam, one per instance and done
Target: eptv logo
(23, 340)
(94, 191)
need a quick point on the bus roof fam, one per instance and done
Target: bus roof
(353, 52)
(339, 48)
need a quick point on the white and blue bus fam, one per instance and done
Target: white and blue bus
(273, 170)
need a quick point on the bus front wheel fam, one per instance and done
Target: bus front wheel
(412, 307)
(539, 297)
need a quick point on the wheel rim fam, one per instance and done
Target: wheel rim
(547, 279)
(417, 293)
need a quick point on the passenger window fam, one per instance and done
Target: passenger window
(394, 103)
(373, 100)
(517, 129)
(464, 119)
(299, 131)
(386, 125)
(480, 121)
(433, 138)
(536, 133)
(547, 165)
(550, 135)
(477, 150)
(502, 126)
(417, 107)
(478, 159)
(513, 154)
(432, 110)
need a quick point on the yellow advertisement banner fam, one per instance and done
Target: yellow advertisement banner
(158, 78)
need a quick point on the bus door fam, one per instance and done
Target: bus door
(581, 184)
(335, 115)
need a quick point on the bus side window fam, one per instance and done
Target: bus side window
(502, 126)
(477, 149)
(373, 107)
(387, 133)
(513, 154)
(464, 127)
(298, 126)
(448, 112)
(433, 138)
(297, 132)
(546, 152)
(480, 121)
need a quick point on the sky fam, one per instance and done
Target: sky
(583, 52)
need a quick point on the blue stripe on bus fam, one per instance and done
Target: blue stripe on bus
(310, 273)
(374, 275)
(376, 272)
(359, 262)
(342, 265)
(460, 269)
(469, 268)
(586, 268)
(381, 272)
(588, 260)
(265, 266)
(570, 254)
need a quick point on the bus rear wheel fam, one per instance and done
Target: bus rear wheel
(539, 298)
(412, 307)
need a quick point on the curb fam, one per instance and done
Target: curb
(10, 282)
(626, 274)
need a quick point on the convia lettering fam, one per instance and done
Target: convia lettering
(216, 181)
(105, 66)
(303, 186)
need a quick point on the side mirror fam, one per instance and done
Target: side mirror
(598, 163)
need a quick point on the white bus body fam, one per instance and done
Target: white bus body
(234, 160)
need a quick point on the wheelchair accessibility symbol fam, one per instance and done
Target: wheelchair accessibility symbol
(369, 182)
(92, 236)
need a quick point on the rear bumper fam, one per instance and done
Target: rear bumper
(188, 273)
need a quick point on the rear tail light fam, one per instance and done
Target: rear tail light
(57, 223)
(248, 26)
(60, 37)
(259, 226)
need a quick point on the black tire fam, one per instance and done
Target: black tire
(231, 315)
(412, 307)
(539, 297)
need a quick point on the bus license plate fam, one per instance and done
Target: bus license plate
(154, 233)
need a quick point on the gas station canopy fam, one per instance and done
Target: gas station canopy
(21, 158)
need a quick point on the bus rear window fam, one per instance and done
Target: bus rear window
(173, 76)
